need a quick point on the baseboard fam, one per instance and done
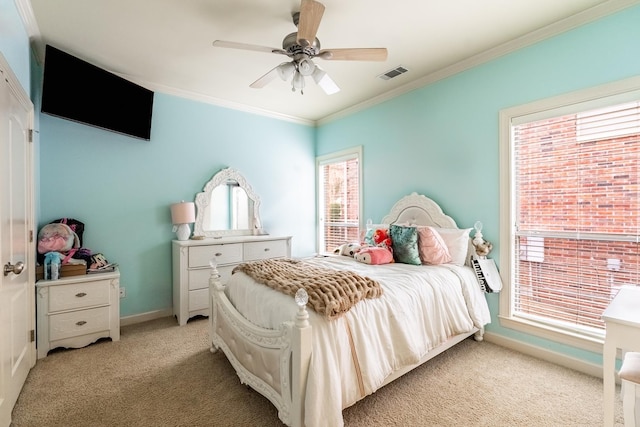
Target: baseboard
(545, 354)
(144, 317)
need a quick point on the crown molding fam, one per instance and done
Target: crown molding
(604, 9)
(559, 27)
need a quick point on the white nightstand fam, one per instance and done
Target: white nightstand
(78, 310)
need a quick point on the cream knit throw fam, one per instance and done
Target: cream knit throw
(331, 292)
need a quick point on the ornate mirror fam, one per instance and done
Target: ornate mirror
(227, 206)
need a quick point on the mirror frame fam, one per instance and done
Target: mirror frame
(203, 200)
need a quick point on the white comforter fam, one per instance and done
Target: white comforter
(422, 307)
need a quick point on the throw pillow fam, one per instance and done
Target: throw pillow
(404, 241)
(457, 241)
(432, 247)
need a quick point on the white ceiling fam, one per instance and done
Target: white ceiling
(166, 45)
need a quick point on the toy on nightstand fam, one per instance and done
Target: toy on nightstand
(483, 247)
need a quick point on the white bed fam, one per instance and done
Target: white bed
(311, 368)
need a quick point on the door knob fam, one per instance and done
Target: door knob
(15, 269)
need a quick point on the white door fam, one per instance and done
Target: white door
(17, 250)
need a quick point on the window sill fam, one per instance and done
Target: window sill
(553, 334)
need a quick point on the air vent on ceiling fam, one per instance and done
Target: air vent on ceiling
(393, 73)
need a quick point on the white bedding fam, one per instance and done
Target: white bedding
(422, 307)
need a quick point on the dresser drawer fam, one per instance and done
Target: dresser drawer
(199, 256)
(199, 278)
(264, 250)
(76, 323)
(198, 299)
(78, 295)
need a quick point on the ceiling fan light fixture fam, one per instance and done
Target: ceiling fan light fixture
(297, 82)
(286, 70)
(306, 67)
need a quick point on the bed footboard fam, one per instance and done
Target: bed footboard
(272, 362)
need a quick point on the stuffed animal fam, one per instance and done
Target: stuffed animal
(381, 238)
(57, 237)
(348, 249)
(483, 247)
(374, 255)
(52, 262)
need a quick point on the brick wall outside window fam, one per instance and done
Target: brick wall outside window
(577, 210)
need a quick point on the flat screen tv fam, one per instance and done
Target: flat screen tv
(76, 90)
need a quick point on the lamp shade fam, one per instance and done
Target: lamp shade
(183, 213)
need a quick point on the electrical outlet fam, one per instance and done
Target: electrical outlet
(123, 292)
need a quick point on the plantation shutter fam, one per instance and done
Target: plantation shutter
(339, 185)
(577, 206)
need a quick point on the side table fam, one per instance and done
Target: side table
(622, 321)
(78, 310)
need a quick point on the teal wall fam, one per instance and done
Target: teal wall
(14, 42)
(440, 140)
(122, 187)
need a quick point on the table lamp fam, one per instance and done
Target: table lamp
(182, 215)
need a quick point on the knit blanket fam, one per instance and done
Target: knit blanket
(331, 292)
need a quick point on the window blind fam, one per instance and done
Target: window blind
(340, 187)
(577, 204)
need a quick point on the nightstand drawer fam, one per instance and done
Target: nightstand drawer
(78, 295)
(265, 250)
(75, 323)
(199, 256)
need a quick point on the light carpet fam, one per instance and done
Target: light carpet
(161, 374)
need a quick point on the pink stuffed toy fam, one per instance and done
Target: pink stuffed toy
(381, 238)
(374, 255)
(57, 237)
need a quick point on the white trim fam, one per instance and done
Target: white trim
(349, 153)
(145, 317)
(545, 354)
(617, 91)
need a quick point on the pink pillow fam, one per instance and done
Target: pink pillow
(432, 247)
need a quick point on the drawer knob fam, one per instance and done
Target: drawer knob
(80, 323)
(267, 249)
(218, 254)
(81, 294)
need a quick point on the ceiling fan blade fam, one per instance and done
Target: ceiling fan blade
(310, 16)
(356, 54)
(244, 46)
(265, 79)
(325, 82)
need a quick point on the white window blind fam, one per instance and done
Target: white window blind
(576, 197)
(339, 200)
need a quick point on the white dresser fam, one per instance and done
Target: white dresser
(78, 310)
(191, 268)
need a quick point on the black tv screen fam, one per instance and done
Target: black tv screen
(76, 90)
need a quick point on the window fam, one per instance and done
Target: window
(571, 211)
(339, 198)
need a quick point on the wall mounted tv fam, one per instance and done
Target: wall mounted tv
(76, 90)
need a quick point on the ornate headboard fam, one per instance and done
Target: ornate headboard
(419, 210)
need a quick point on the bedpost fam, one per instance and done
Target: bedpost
(301, 355)
(214, 286)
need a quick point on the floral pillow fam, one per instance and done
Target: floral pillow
(404, 241)
(432, 247)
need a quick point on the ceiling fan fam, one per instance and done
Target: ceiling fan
(302, 46)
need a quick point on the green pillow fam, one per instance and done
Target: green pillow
(404, 241)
